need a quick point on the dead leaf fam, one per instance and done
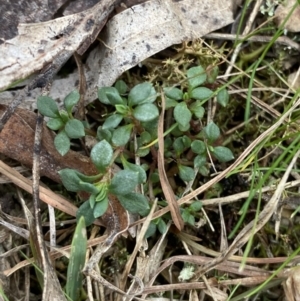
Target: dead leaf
(15, 12)
(115, 219)
(39, 44)
(75, 7)
(16, 142)
(292, 285)
(146, 29)
(282, 15)
(294, 80)
(128, 39)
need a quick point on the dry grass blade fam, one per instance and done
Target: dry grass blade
(184, 237)
(155, 256)
(248, 281)
(165, 185)
(53, 255)
(46, 195)
(51, 287)
(116, 220)
(137, 247)
(253, 226)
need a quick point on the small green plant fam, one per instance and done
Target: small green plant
(188, 107)
(188, 214)
(62, 120)
(136, 113)
(122, 185)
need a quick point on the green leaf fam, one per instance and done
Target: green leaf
(115, 98)
(197, 109)
(162, 227)
(181, 143)
(201, 93)
(155, 177)
(183, 128)
(176, 132)
(109, 96)
(199, 161)
(142, 152)
(186, 215)
(182, 114)
(186, 141)
(112, 121)
(124, 182)
(88, 179)
(142, 177)
(186, 173)
(141, 93)
(199, 112)
(63, 115)
(47, 106)
(92, 200)
(178, 146)
(103, 190)
(88, 187)
(212, 131)
(151, 127)
(76, 261)
(212, 74)
(223, 154)
(135, 203)
(223, 97)
(145, 137)
(104, 134)
(196, 206)
(145, 112)
(191, 220)
(82, 177)
(100, 207)
(173, 93)
(71, 100)
(198, 147)
(101, 155)
(70, 179)
(170, 103)
(121, 86)
(151, 230)
(86, 211)
(121, 135)
(122, 109)
(62, 143)
(55, 124)
(203, 171)
(196, 76)
(74, 129)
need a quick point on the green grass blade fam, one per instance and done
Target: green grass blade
(77, 261)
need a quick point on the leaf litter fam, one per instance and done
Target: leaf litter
(116, 220)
